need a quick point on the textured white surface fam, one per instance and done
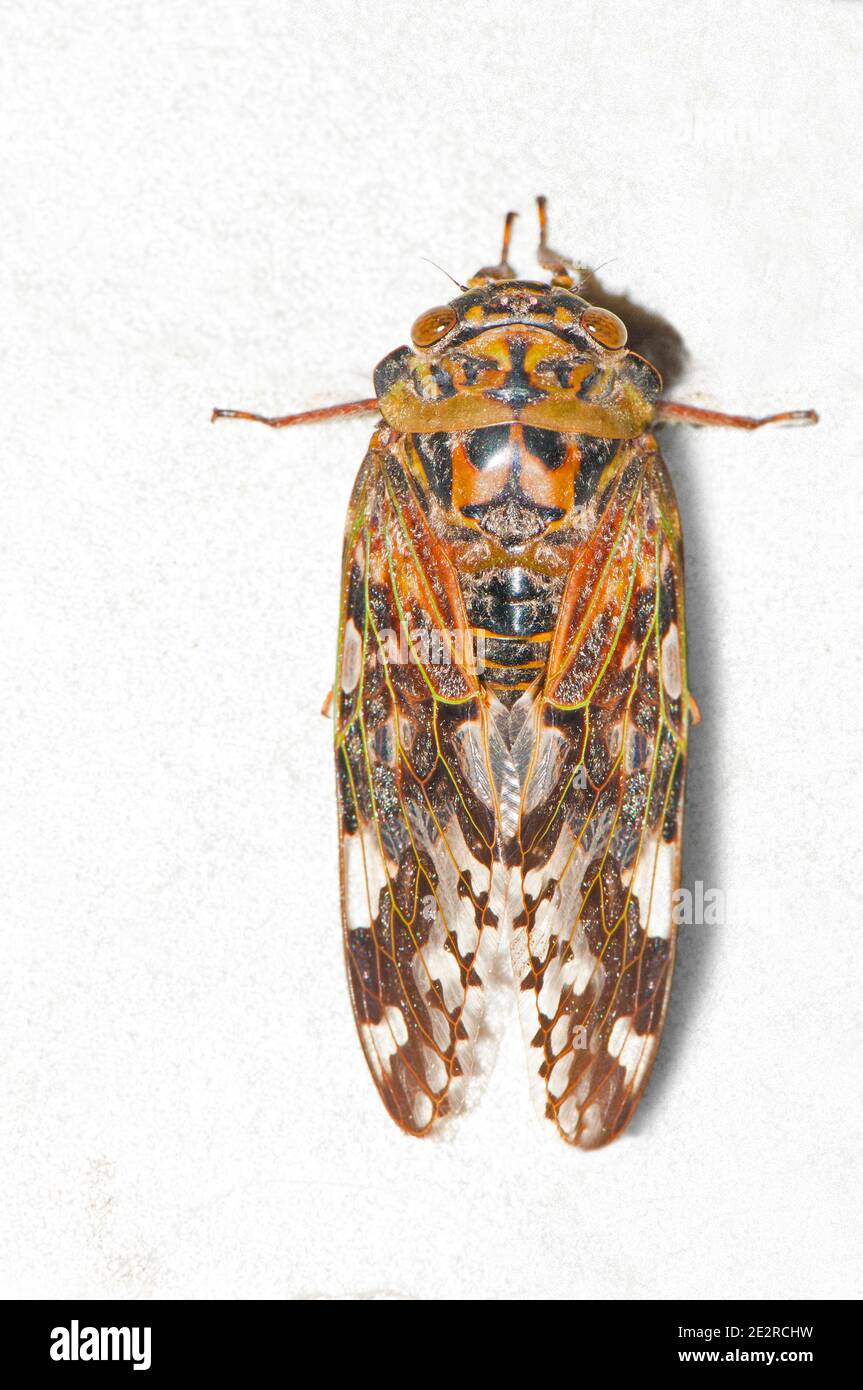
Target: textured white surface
(214, 203)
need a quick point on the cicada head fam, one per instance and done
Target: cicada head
(521, 352)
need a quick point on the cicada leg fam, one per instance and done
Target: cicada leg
(303, 417)
(503, 270)
(678, 414)
(563, 270)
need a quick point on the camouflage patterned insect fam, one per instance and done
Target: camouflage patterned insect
(512, 705)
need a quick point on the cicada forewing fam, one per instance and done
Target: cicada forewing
(415, 800)
(593, 937)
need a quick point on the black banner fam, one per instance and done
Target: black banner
(160, 1339)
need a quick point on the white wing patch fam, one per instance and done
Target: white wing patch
(352, 657)
(634, 1051)
(672, 677)
(653, 885)
(365, 876)
(385, 1038)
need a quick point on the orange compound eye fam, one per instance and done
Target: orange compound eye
(433, 325)
(605, 327)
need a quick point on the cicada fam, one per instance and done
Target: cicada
(511, 704)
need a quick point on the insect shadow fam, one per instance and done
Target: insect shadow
(649, 334)
(653, 337)
(696, 944)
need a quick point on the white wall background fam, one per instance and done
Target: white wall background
(212, 203)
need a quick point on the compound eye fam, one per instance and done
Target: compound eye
(433, 325)
(605, 327)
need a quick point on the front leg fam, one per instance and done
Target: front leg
(674, 413)
(304, 417)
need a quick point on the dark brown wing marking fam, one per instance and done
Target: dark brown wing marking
(593, 945)
(416, 805)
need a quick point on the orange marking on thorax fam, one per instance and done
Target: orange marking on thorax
(516, 466)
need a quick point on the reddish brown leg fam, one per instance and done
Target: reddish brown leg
(561, 267)
(677, 414)
(327, 412)
(503, 270)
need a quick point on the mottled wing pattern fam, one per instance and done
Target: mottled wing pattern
(593, 942)
(416, 806)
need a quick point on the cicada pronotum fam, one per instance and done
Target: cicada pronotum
(511, 700)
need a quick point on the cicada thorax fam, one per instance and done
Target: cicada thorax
(513, 406)
(512, 503)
